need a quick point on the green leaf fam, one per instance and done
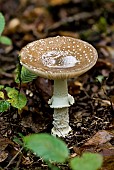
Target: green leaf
(100, 78)
(26, 76)
(1, 95)
(48, 147)
(1, 87)
(2, 23)
(18, 72)
(88, 161)
(18, 139)
(102, 24)
(11, 92)
(17, 100)
(4, 105)
(52, 167)
(5, 40)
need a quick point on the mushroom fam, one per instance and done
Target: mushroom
(59, 58)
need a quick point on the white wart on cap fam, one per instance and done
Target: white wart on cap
(58, 57)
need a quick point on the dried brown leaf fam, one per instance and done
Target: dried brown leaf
(57, 2)
(100, 137)
(3, 155)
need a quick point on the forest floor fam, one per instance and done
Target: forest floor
(92, 115)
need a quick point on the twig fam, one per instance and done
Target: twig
(77, 17)
(6, 74)
(18, 163)
(14, 158)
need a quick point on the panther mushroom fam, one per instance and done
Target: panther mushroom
(59, 58)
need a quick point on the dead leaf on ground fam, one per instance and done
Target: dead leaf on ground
(4, 142)
(26, 160)
(75, 87)
(30, 122)
(103, 63)
(45, 88)
(57, 2)
(69, 34)
(3, 155)
(100, 143)
(100, 137)
(39, 18)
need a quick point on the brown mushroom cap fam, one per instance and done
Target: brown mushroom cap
(58, 57)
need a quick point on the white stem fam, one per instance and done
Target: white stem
(60, 101)
(60, 88)
(61, 98)
(61, 122)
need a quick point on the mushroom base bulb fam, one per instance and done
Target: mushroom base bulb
(61, 122)
(63, 132)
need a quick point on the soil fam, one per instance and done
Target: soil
(92, 115)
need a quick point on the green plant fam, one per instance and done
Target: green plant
(88, 161)
(23, 75)
(18, 139)
(100, 78)
(3, 39)
(11, 96)
(53, 150)
(102, 24)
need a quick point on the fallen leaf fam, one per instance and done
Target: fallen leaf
(4, 142)
(13, 25)
(100, 137)
(45, 88)
(3, 155)
(58, 2)
(26, 161)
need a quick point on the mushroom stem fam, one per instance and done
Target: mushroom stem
(60, 88)
(60, 97)
(61, 122)
(60, 101)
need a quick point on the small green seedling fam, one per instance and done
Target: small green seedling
(53, 150)
(18, 139)
(23, 75)
(3, 39)
(100, 78)
(102, 24)
(14, 98)
(4, 105)
(88, 161)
